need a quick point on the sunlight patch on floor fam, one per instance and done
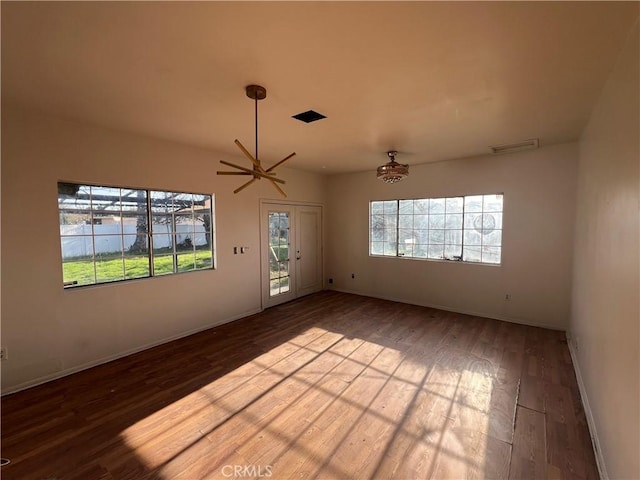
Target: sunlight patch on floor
(170, 431)
(286, 409)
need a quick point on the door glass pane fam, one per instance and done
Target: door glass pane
(274, 287)
(284, 285)
(279, 254)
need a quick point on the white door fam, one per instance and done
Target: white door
(308, 235)
(291, 251)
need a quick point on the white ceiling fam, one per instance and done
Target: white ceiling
(433, 80)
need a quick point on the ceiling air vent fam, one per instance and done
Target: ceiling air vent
(309, 116)
(515, 147)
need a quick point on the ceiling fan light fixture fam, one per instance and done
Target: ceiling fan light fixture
(392, 171)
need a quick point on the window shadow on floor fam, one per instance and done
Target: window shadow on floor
(331, 385)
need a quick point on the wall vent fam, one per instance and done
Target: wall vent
(531, 144)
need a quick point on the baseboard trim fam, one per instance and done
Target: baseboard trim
(110, 358)
(519, 321)
(593, 432)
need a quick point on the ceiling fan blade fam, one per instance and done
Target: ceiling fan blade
(242, 187)
(255, 161)
(278, 188)
(252, 172)
(245, 169)
(280, 162)
(257, 172)
(233, 173)
(245, 185)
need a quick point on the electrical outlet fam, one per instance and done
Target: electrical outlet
(353, 275)
(331, 280)
(4, 354)
(507, 296)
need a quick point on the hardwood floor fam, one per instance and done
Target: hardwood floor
(328, 386)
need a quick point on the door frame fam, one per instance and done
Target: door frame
(264, 239)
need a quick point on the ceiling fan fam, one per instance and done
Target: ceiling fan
(256, 92)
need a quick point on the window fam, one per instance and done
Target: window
(467, 229)
(105, 235)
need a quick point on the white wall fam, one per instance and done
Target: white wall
(605, 319)
(42, 328)
(539, 206)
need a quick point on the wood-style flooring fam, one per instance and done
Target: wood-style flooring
(331, 386)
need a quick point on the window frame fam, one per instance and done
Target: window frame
(389, 234)
(144, 216)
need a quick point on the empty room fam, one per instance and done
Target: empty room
(333, 240)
